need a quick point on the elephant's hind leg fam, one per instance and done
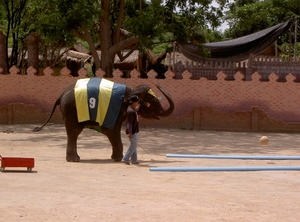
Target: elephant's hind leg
(72, 134)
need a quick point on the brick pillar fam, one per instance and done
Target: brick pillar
(33, 51)
(3, 50)
(254, 119)
(248, 72)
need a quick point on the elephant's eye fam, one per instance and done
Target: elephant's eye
(147, 104)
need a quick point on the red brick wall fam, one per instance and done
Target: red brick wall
(279, 100)
(206, 118)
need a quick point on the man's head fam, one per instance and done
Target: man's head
(134, 101)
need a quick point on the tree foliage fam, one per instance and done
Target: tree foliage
(115, 25)
(13, 11)
(248, 16)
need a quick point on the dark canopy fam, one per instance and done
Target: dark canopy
(236, 49)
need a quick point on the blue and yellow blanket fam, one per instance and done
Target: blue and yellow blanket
(99, 100)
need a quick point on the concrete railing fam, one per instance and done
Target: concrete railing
(279, 100)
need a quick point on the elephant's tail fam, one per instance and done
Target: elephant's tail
(57, 102)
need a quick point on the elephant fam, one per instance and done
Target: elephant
(70, 109)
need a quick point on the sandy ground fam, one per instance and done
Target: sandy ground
(98, 189)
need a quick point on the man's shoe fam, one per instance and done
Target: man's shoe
(127, 163)
(136, 162)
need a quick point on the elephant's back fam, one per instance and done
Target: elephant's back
(68, 99)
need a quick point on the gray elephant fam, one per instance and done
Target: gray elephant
(100, 103)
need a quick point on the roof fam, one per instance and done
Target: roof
(77, 55)
(236, 49)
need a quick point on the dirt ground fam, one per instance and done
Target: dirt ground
(98, 189)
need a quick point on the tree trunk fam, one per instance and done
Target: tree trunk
(93, 50)
(109, 48)
(107, 60)
(86, 36)
(33, 51)
(3, 51)
(142, 66)
(107, 63)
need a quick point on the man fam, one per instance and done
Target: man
(132, 128)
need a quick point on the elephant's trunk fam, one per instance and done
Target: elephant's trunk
(171, 108)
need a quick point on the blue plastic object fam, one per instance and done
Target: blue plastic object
(234, 157)
(215, 169)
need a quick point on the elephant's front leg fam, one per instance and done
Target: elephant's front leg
(72, 134)
(114, 137)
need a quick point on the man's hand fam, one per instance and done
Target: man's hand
(130, 136)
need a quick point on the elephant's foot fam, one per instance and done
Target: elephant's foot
(116, 159)
(74, 158)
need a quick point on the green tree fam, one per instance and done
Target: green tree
(13, 11)
(53, 29)
(247, 17)
(114, 25)
(121, 24)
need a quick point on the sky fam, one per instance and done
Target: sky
(224, 25)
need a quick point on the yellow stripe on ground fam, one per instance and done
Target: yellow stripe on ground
(105, 93)
(81, 100)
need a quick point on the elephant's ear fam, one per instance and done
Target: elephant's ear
(126, 99)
